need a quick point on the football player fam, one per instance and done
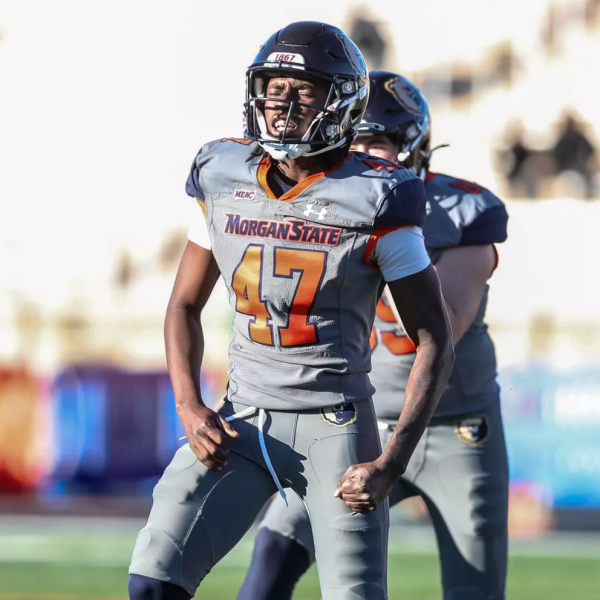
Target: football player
(305, 235)
(460, 466)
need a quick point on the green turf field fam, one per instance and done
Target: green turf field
(53, 564)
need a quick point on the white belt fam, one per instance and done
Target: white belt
(262, 415)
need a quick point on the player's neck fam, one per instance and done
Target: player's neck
(305, 166)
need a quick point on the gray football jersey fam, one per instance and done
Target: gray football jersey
(300, 270)
(459, 213)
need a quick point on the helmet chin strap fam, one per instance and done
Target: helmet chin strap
(284, 151)
(291, 151)
(280, 151)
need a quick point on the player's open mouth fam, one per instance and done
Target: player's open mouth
(278, 125)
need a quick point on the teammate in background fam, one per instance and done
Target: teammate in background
(305, 235)
(459, 467)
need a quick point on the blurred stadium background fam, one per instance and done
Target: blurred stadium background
(102, 108)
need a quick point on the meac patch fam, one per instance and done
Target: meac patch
(473, 430)
(340, 415)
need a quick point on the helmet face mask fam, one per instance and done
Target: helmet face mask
(312, 52)
(413, 148)
(323, 128)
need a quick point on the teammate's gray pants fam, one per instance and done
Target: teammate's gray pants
(199, 515)
(464, 482)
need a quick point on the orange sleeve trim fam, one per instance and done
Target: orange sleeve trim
(243, 141)
(372, 243)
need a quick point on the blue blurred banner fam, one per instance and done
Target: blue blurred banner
(552, 424)
(113, 427)
(107, 431)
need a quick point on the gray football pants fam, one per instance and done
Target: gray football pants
(199, 515)
(460, 469)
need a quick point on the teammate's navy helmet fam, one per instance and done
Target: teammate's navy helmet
(401, 109)
(324, 53)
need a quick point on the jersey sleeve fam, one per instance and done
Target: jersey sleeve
(401, 253)
(215, 162)
(193, 187)
(404, 204)
(198, 231)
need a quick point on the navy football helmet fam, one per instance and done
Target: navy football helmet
(398, 108)
(324, 53)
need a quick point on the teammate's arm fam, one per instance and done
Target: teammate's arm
(463, 272)
(420, 305)
(205, 430)
(416, 291)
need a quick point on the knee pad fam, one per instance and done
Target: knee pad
(277, 564)
(147, 588)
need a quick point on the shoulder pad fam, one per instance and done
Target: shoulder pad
(403, 199)
(220, 159)
(479, 216)
(404, 204)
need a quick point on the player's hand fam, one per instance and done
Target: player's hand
(208, 434)
(365, 486)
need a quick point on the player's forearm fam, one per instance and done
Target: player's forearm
(184, 347)
(426, 383)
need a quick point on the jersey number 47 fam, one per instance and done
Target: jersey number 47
(247, 283)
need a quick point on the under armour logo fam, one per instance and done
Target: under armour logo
(321, 214)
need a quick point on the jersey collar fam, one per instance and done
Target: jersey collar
(299, 188)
